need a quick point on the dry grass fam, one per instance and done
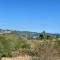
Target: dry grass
(46, 51)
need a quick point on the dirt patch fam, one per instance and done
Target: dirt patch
(18, 58)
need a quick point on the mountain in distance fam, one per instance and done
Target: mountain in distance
(24, 33)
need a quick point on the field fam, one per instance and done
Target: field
(40, 50)
(44, 47)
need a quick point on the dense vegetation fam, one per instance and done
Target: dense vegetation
(43, 46)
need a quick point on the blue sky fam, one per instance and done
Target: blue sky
(30, 15)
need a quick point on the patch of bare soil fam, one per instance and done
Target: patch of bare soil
(18, 58)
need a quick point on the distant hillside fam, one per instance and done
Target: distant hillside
(7, 31)
(26, 33)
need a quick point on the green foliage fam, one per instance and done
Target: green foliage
(6, 46)
(57, 45)
(11, 43)
(45, 36)
(57, 36)
(22, 44)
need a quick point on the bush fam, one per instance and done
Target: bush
(7, 45)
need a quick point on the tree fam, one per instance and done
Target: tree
(43, 35)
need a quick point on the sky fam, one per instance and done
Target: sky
(30, 15)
